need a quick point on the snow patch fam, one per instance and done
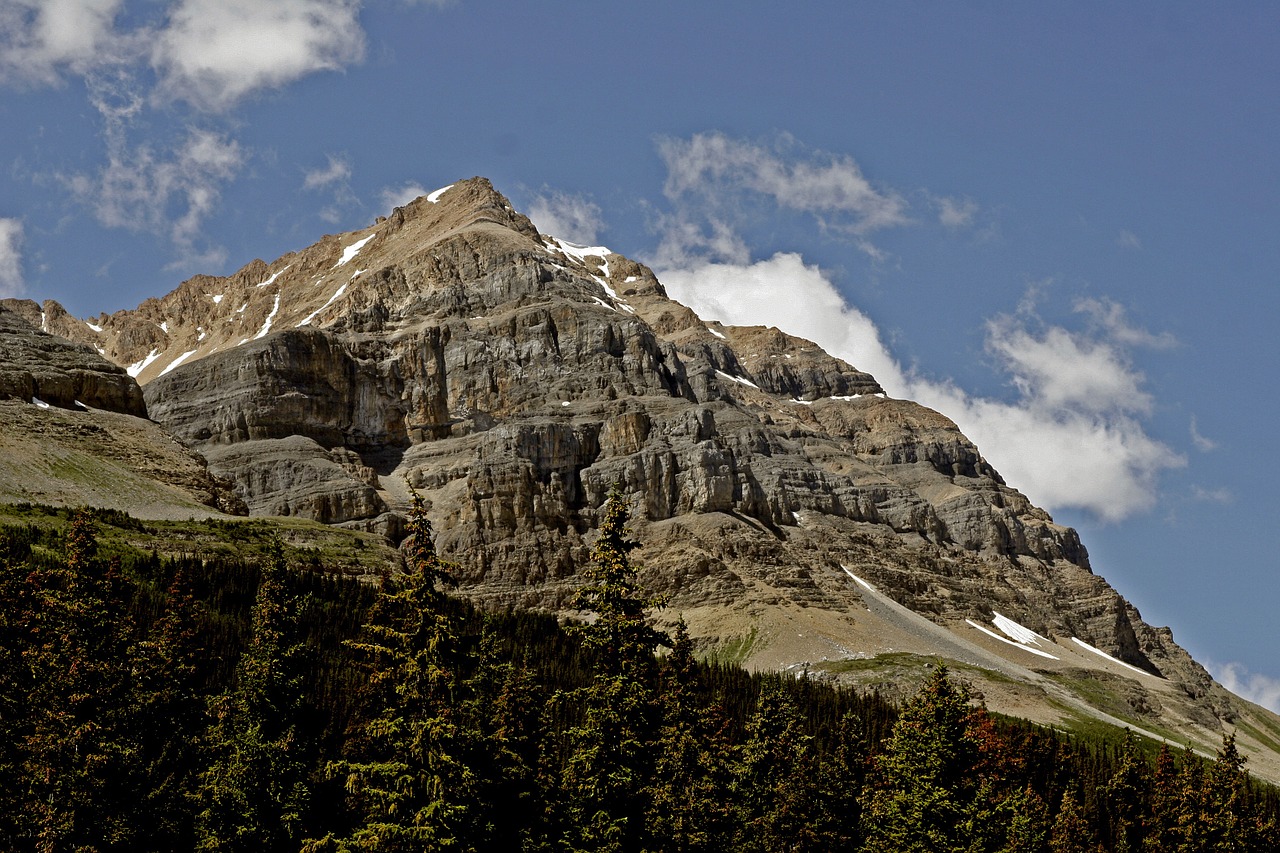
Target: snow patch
(1022, 646)
(859, 580)
(266, 327)
(178, 360)
(574, 250)
(1014, 630)
(435, 196)
(564, 403)
(352, 250)
(41, 403)
(1101, 653)
(97, 329)
(136, 368)
(358, 273)
(44, 324)
(630, 279)
(307, 319)
(719, 335)
(738, 379)
(217, 300)
(164, 327)
(847, 397)
(274, 276)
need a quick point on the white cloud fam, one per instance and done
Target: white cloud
(1072, 437)
(169, 194)
(11, 232)
(41, 38)
(1260, 689)
(1128, 240)
(955, 212)
(213, 53)
(393, 197)
(1217, 496)
(338, 170)
(715, 182)
(1203, 444)
(570, 217)
(1110, 316)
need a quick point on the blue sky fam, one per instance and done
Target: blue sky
(1056, 225)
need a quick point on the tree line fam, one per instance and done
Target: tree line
(156, 703)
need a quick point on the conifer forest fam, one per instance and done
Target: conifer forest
(170, 703)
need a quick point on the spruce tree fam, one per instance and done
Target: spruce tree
(254, 793)
(408, 778)
(920, 800)
(610, 761)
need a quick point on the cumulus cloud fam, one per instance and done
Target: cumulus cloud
(42, 39)
(1260, 689)
(11, 232)
(714, 181)
(1073, 435)
(570, 217)
(213, 53)
(1110, 316)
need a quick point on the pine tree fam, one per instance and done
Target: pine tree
(253, 795)
(1071, 832)
(409, 779)
(1126, 797)
(611, 757)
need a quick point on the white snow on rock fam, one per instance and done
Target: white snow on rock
(859, 580)
(136, 368)
(574, 250)
(164, 327)
(97, 329)
(1016, 631)
(1101, 653)
(846, 398)
(630, 279)
(274, 276)
(171, 365)
(435, 196)
(217, 299)
(352, 250)
(307, 319)
(44, 322)
(266, 327)
(738, 379)
(1022, 646)
(719, 335)
(41, 403)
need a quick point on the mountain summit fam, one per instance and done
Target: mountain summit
(791, 512)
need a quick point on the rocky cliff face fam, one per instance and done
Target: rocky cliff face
(37, 365)
(515, 379)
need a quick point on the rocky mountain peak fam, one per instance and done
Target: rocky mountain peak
(515, 378)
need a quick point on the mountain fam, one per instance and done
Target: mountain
(790, 511)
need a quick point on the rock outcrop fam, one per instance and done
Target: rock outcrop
(36, 365)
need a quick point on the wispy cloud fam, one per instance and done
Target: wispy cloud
(11, 282)
(571, 217)
(1260, 689)
(1111, 317)
(955, 213)
(338, 170)
(714, 182)
(214, 53)
(1217, 496)
(1128, 240)
(393, 197)
(1203, 444)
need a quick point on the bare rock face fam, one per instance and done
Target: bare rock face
(37, 365)
(515, 380)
